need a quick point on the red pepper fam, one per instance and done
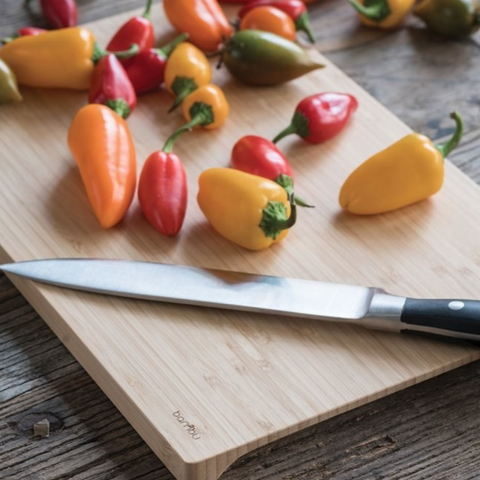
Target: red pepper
(146, 70)
(60, 13)
(320, 117)
(137, 30)
(24, 32)
(111, 86)
(295, 9)
(261, 157)
(162, 191)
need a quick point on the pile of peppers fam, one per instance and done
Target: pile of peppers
(254, 202)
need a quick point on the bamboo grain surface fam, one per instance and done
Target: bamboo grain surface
(258, 354)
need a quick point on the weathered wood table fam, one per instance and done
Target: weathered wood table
(429, 431)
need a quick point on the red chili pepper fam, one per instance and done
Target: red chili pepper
(146, 70)
(295, 9)
(59, 13)
(162, 191)
(320, 117)
(111, 86)
(137, 30)
(261, 157)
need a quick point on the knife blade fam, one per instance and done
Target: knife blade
(365, 306)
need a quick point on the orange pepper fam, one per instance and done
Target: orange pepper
(269, 19)
(103, 148)
(203, 20)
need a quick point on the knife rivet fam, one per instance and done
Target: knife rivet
(456, 305)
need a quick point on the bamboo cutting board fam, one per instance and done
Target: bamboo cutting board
(204, 387)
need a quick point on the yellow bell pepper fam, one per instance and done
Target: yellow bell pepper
(407, 172)
(251, 211)
(383, 14)
(187, 69)
(55, 59)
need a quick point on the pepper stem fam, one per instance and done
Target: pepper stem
(290, 130)
(99, 52)
(274, 219)
(119, 106)
(303, 24)
(148, 9)
(446, 148)
(167, 49)
(286, 182)
(299, 125)
(9, 39)
(376, 10)
(182, 87)
(202, 114)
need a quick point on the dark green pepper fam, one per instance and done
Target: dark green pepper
(451, 18)
(263, 58)
(8, 85)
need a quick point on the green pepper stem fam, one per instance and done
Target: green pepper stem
(286, 182)
(274, 219)
(99, 52)
(200, 119)
(303, 24)
(290, 130)
(148, 9)
(377, 11)
(446, 148)
(119, 106)
(167, 49)
(6, 40)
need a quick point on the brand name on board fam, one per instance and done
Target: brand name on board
(188, 427)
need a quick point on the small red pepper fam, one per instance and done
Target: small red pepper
(295, 9)
(137, 30)
(320, 117)
(24, 32)
(261, 157)
(162, 191)
(111, 86)
(146, 70)
(59, 13)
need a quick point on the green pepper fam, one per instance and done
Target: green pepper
(8, 85)
(262, 58)
(451, 18)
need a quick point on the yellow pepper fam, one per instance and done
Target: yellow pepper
(206, 107)
(251, 211)
(407, 172)
(382, 13)
(187, 69)
(55, 59)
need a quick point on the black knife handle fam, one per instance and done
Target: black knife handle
(451, 318)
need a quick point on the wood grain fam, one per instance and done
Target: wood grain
(311, 470)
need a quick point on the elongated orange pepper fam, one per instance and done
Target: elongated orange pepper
(203, 20)
(407, 172)
(383, 14)
(103, 148)
(187, 69)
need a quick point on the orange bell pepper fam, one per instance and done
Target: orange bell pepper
(103, 148)
(203, 20)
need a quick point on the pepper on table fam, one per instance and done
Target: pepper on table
(138, 30)
(383, 14)
(59, 13)
(261, 157)
(203, 20)
(450, 18)
(187, 69)
(146, 69)
(103, 148)
(407, 172)
(269, 19)
(56, 59)
(246, 209)
(263, 58)
(295, 9)
(163, 192)
(320, 117)
(8, 85)
(111, 86)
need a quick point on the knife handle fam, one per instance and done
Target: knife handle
(447, 318)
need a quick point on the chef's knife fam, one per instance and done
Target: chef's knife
(369, 307)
